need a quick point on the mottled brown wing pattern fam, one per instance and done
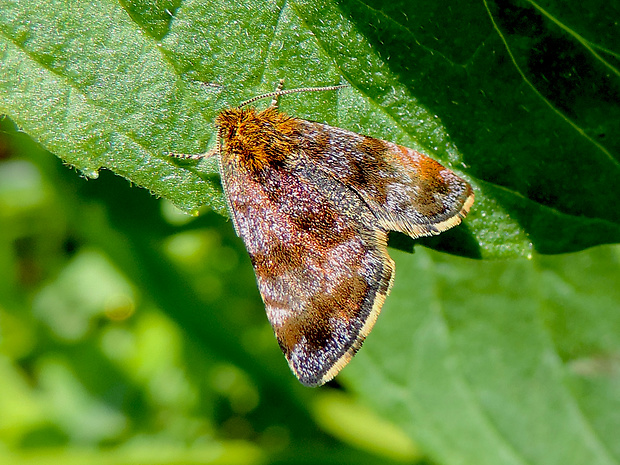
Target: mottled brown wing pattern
(313, 204)
(322, 269)
(407, 191)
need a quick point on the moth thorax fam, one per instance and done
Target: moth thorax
(254, 139)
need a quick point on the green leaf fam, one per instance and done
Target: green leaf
(522, 101)
(496, 362)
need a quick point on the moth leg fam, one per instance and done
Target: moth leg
(274, 100)
(211, 85)
(199, 156)
(195, 156)
(215, 150)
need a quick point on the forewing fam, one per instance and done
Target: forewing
(407, 191)
(320, 261)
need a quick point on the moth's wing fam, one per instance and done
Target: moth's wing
(407, 191)
(322, 267)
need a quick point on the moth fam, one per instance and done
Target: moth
(313, 204)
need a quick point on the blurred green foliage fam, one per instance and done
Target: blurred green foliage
(133, 333)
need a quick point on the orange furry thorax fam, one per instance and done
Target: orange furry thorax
(253, 140)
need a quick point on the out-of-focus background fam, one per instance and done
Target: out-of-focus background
(133, 333)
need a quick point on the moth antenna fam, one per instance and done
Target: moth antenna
(277, 93)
